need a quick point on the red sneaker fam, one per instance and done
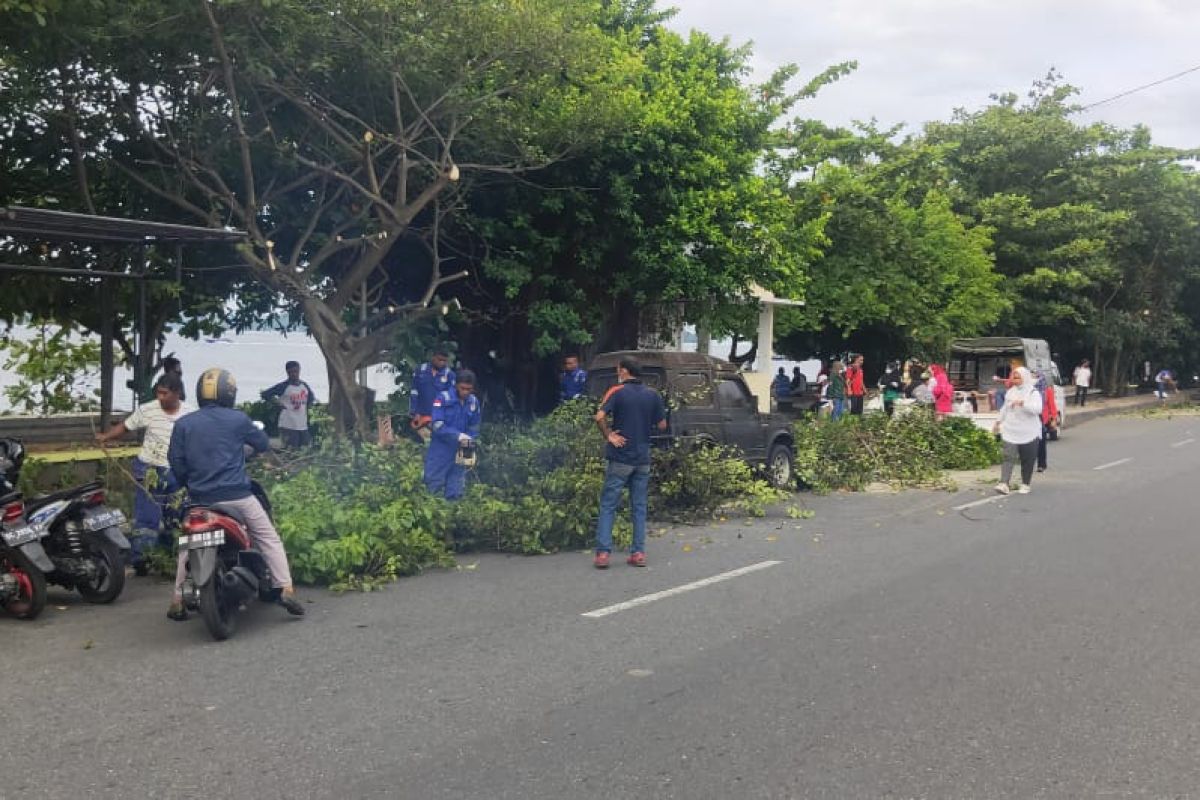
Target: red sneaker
(601, 561)
(636, 560)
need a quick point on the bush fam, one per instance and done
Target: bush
(913, 449)
(356, 518)
(540, 483)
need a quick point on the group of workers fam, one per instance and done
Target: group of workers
(200, 448)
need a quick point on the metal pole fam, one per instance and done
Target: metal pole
(106, 352)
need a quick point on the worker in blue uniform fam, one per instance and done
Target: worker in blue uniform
(455, 426)
(428, 381)
(573, 380)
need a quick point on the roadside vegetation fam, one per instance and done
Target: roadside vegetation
(910, 450)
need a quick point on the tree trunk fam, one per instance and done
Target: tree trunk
(1115, 377)
(346, 404)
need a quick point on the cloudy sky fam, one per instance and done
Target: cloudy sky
(920, 59)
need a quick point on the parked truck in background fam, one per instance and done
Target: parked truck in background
(975, 363)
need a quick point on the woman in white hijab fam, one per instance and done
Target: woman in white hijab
(1020, 428)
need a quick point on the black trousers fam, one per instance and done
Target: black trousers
(1041, 456)
(856, 404)
(1081, 395)
(1025, 454)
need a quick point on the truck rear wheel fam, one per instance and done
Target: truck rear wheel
(781, 471)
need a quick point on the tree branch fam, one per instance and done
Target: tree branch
(251, 201)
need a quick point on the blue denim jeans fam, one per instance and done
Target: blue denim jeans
(616, 477)
(839, 407)
(149, 512)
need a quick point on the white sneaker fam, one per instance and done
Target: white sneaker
(1024, 489)
(1002, 488)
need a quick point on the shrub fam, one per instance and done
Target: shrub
(909, 450)
(540, 483)
(355, 518)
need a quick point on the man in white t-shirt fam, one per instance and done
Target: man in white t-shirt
(1083, 381)
(150, 467)
(294, 396)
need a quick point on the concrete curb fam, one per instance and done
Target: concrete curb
(1075, 418)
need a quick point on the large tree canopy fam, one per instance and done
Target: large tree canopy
(330, 133)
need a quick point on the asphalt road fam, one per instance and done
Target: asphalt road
(1035, 646)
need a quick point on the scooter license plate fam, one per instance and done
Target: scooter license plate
(15, 537)
(195, 541)
(99, 520)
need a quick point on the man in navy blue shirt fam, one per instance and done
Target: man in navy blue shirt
(636, 411)
(208, 458)
(573, 380)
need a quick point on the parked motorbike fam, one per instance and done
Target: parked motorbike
(225, 568)
(23, 562)
(82, 536)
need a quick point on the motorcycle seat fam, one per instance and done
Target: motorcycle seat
(228, 511)
(63, 494)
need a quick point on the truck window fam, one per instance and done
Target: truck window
(733, 394)
(692, 390)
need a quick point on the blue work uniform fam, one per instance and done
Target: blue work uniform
(451, 417)
(427, 383)
(572, 384)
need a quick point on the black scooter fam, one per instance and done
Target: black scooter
(82, 536)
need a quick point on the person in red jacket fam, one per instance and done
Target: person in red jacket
(855, 386)
(1049, 416)
(943, 391)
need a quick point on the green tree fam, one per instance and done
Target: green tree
(903, 272)
(51, 367)
(331, 133)
(1094, 227)
(674, 212)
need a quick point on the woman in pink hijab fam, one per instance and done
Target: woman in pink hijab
(943, 391)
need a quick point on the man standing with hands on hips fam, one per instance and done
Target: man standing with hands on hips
(636, 411)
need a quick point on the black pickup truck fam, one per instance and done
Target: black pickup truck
(708, 402)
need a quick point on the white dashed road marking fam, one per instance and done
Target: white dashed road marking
(974, 503)
(1113, 463)
(1181, 444)
(687, 587)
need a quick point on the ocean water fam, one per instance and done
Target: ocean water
(255, 358)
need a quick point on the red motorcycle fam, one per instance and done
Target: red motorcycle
(225, 568)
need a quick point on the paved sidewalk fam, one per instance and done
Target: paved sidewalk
(1105, 406)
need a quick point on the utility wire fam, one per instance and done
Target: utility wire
(1128, 92)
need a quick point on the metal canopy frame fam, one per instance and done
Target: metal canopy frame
(46, 224)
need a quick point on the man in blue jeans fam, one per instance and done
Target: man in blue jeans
(636, 411)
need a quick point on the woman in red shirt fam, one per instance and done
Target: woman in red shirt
(1049, 416)
(855, 386)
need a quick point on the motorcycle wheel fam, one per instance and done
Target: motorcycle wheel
(220, 615)
(32, 598)
(110, 574)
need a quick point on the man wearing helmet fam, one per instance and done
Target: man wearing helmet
(208, 458)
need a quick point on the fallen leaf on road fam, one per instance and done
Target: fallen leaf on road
(687, 548)
(89, 644)
(772, 538)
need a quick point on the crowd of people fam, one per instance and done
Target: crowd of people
(200, 447)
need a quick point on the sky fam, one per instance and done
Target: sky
(918, 60)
